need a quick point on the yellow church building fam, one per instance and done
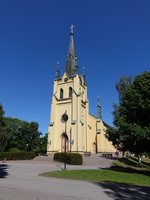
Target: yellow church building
(83, 132)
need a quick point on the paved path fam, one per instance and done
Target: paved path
(20, 181)
(93, 160)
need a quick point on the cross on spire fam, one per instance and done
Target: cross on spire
(71, 28)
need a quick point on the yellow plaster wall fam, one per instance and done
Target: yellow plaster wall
(103, 144)
(92, 132)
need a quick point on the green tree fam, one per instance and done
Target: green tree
(5, 137)
(24, 135)
(13, 126)
(1, 115)
(131, 129)
(43, 144)
(28, 137)
(17, 134)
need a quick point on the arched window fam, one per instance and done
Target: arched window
(61, 93)
(70, 92)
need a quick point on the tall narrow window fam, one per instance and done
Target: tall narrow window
(61, 93)
(70, 92)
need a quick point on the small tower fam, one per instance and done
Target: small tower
(99, 116)
(57, 72)
(84, 74)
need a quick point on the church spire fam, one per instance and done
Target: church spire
(99, 116)
(71, 60)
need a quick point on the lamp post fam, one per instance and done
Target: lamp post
(64, 119)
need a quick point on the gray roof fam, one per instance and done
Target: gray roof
(71, 60)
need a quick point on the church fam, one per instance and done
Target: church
(83, 132)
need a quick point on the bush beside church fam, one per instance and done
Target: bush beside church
(71, 158)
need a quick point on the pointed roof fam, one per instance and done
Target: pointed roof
(71, 60)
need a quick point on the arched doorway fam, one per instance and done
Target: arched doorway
(63, 137)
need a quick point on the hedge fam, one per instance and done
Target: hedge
(71, 158)
(17, 155)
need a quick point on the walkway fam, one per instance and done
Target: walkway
(20, 181)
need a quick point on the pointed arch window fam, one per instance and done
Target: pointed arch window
(70, 92)
(61, 93)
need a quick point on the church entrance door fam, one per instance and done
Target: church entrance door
(63, 137)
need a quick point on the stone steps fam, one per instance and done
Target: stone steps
(43, 158)
(93, 160)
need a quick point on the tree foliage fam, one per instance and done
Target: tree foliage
(5, 137)
(1, 115)
(18, 135)
(132, 115)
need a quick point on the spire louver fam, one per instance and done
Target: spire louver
(71, 61)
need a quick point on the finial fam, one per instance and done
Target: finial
(83, 71)
(98, 101)
(57, 64)
(71, 28)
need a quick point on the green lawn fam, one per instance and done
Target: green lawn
(131, 164)
(122, 171)
(103, 176)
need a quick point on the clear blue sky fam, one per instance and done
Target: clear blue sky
(112, 38)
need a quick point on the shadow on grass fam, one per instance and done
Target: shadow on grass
(133, 163)
(144, 163)
(125, 192)
(129, 161)
(129, 170)
(3, 170)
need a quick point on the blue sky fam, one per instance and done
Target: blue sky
(112, 38)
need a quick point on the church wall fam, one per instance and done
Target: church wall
(103, 144)
(92, 133)
(60, 127)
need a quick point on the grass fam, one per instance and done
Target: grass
(131, 165)
(124, 170)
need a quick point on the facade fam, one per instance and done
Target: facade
(84, 132)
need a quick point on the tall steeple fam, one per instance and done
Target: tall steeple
(71, 60)
(99, 116)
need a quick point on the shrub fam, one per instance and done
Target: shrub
(15, 150)
(71, 158)
(17, 155)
